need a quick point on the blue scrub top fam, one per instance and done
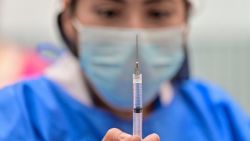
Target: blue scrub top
(40, 109)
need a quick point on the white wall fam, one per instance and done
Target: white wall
(220, 38)
(220, 46)
(28, 21)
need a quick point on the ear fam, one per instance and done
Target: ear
(65, 5)
(66, 10)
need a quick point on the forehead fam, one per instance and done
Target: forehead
(137, 1)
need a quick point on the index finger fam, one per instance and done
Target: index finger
(112, 135)
(152, 137)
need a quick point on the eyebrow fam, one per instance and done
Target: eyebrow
(145, 1)
(118, 1)
(155, 1)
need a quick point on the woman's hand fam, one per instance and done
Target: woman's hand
(117, 135)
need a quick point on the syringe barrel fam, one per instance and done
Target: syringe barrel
(137, 105)
(137, 124)
(137, 91)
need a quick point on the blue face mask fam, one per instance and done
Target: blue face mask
(107, 57)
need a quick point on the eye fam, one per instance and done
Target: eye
(159, 14)
(108, 13)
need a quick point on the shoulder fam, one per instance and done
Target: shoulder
(27, 105)
(209, 95)
(16, 103)
(205, 91)
(26, 92)
(217, 108)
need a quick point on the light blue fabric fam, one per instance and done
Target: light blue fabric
(108, 56)
(39, 109)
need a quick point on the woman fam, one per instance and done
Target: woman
(86, 95)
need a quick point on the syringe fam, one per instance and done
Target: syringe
(137, 95)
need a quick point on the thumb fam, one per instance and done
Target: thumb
(152, 137)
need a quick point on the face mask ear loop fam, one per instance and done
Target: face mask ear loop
(77, 25)
(186, 50)
(185, 32)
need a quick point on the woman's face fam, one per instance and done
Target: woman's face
(131, 13)
(126, 13)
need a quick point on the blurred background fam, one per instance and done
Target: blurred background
(219, 41)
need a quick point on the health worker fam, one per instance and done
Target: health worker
(86, 94)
